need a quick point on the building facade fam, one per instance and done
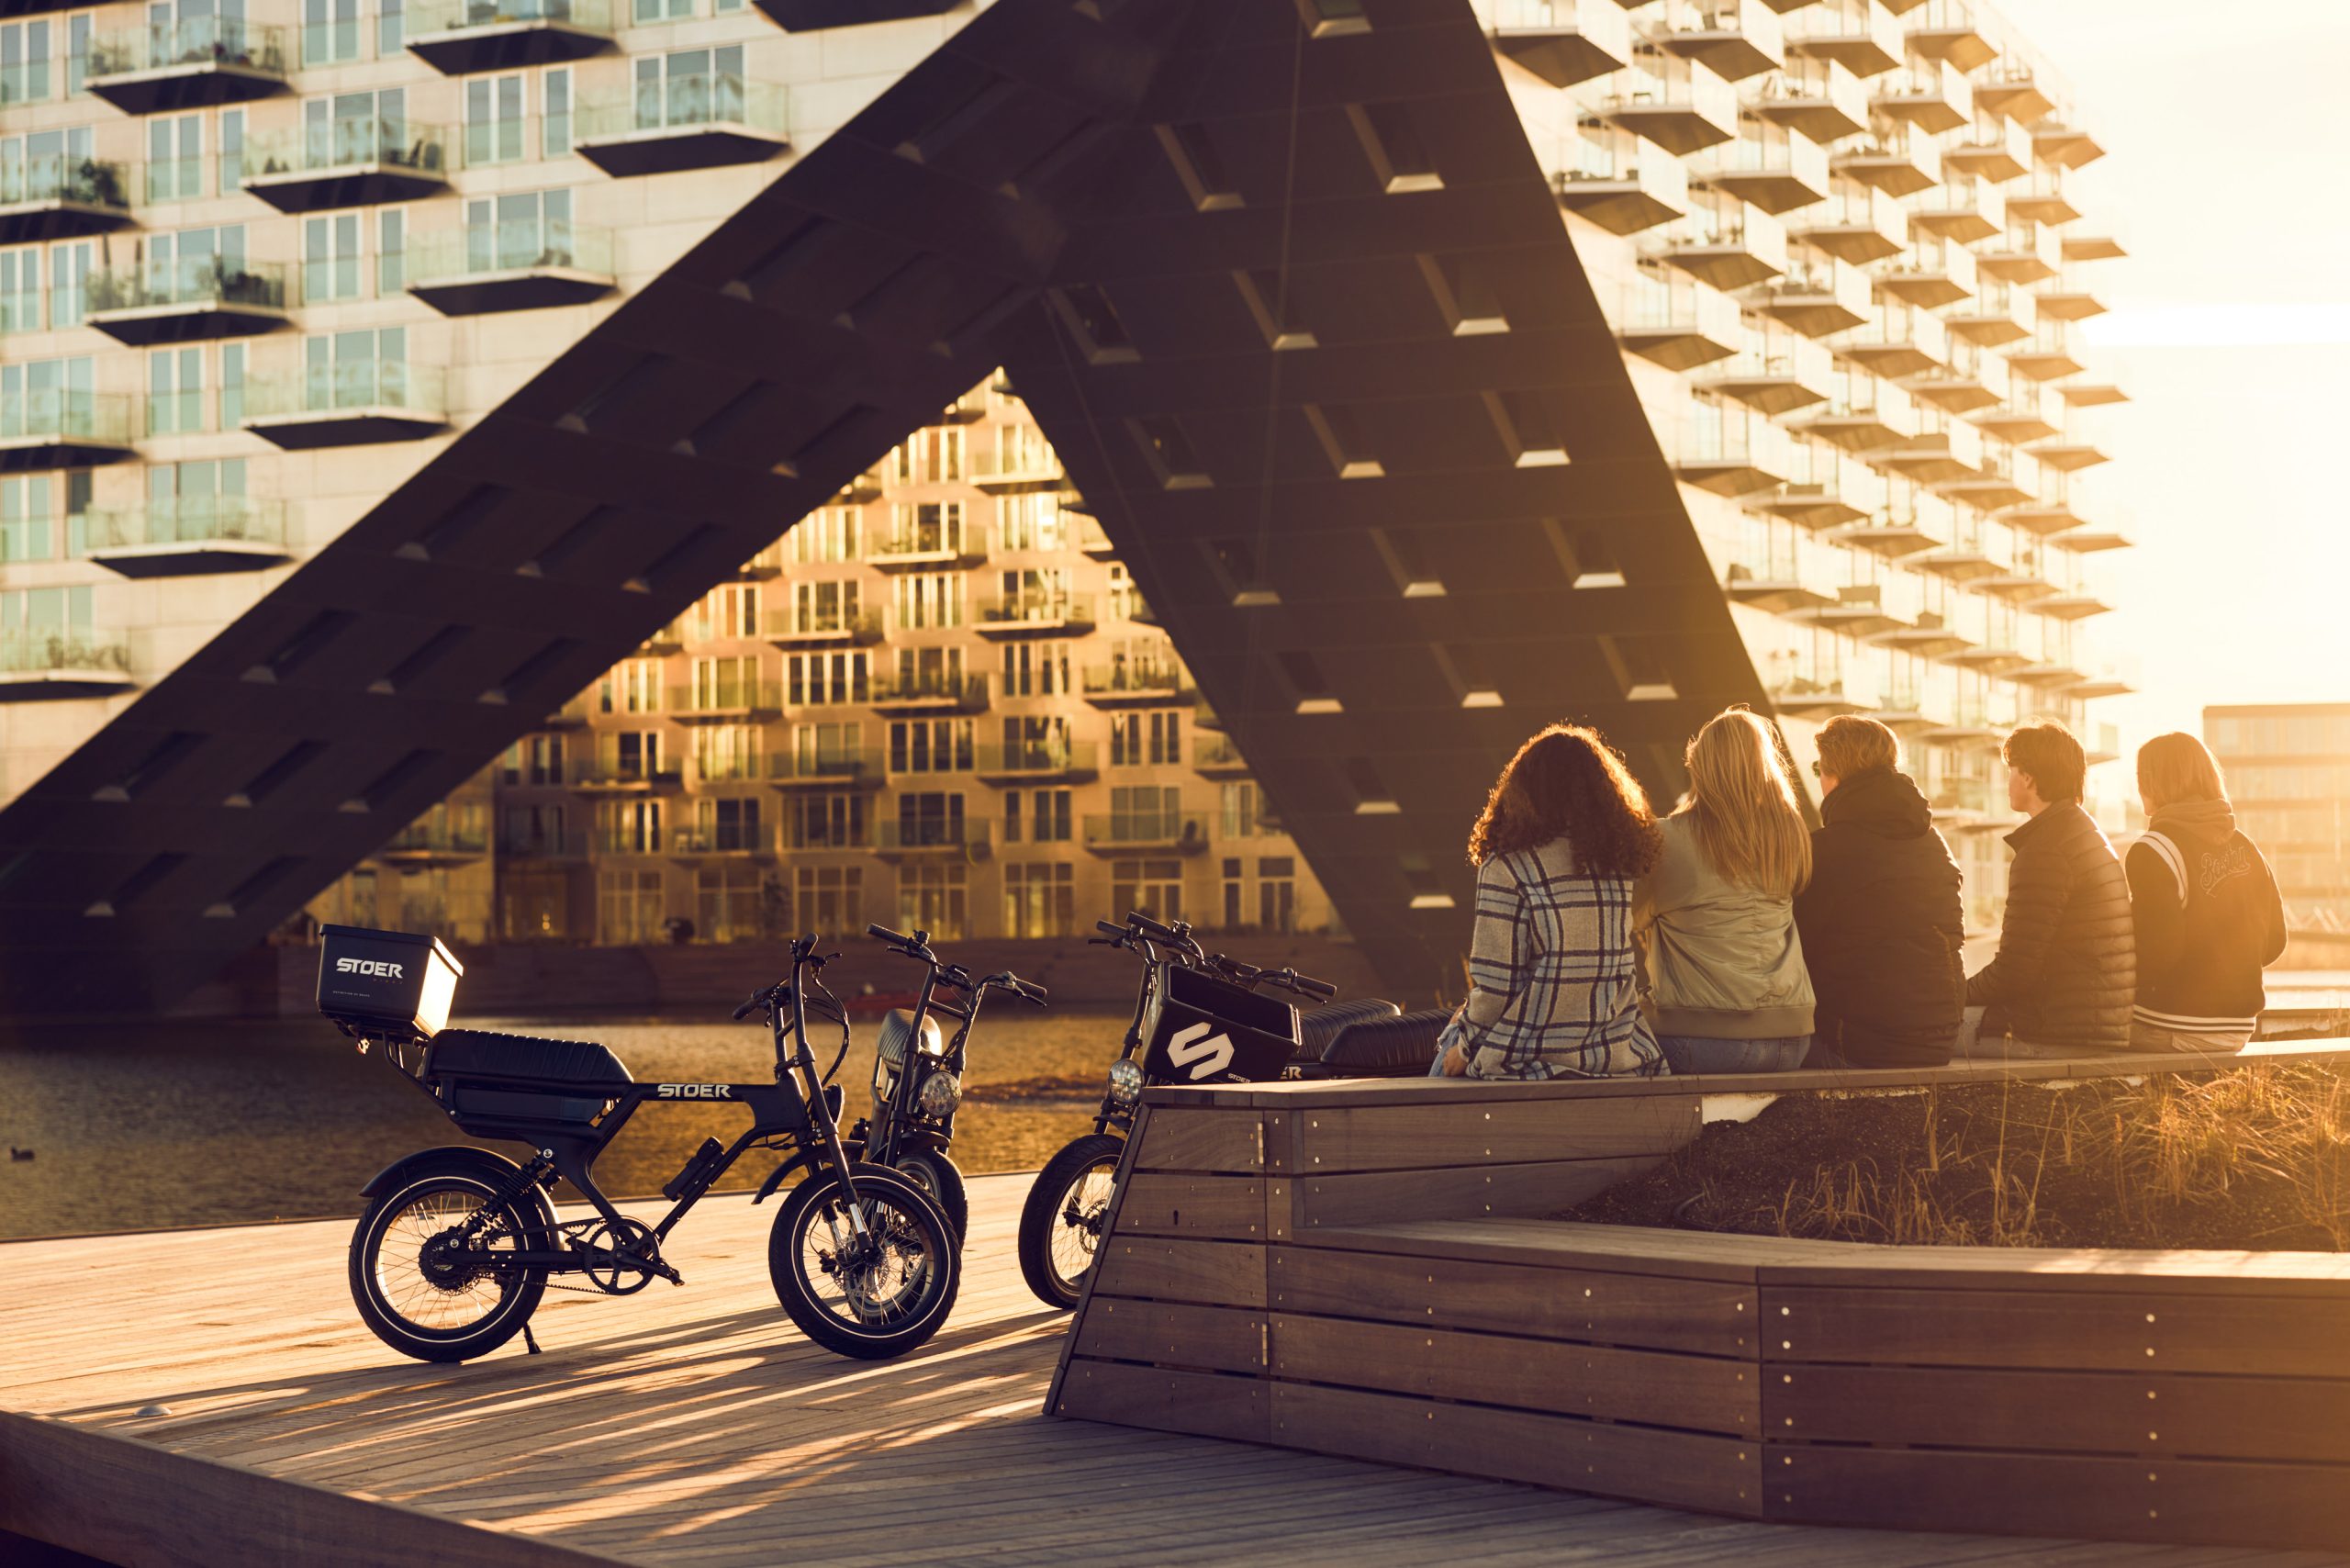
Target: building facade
(2287, 767)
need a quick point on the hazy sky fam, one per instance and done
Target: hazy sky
(2230, 328)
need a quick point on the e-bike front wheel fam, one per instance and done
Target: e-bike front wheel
(871, 1289)
(1061, 1223)
(432, 1288)
(938, 1175)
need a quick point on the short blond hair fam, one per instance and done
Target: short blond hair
(1851, 745)
(2176, 769)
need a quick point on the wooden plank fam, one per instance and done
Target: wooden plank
(1478, 1191)
(1490, 1132)
(2040, 1493)
(1230, 1273)
(2113, 1413)
(2069, 1268)
(1207, 1405)
(1173, 1334)
(142, 1507)
(1556, 1244)
(1228, 1208)
(1656, 1388)
(1686, 1470)
(1703, 1317)
(2062, 1330)
(1218, 1140)
(1123, 1183)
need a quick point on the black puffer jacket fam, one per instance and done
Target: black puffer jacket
(1881, 926)
(2068, 968)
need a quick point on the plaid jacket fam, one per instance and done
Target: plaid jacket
(1552, 973)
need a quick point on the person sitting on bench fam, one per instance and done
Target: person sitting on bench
(1881, 918)
(1722, 965)
(2066, 970)
(2205, 904)
(1562, 837)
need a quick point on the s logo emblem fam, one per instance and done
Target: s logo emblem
(1211, 1055)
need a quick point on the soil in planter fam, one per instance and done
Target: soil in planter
(2254, 1157)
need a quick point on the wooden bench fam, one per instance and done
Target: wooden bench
(1359, 1269)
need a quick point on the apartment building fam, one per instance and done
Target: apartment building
(2287, 767)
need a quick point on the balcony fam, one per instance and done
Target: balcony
(1857, 225)
(525, 264)
(2089, 541)
(1680, 107)
(1565, 41)
(1029, 465)
(55, 664)
(2027, 254)
(347, 163)
(1215, 756)
(1778, 171)
(2045, 673)
(2044, 200)
(929, 547)
(1996, 316)
(1957, 563)
(458, 38)
(1898, 165)
(49, 430)
(1853, 34)
(2018, 420)
(1934, 456)
(2065, 456)
(360, 403)
(1724, 249)
(1987, 659)
(724, 699)
(851, 629)
(189, 301)
(56, 197)
(2042, 518)
(1888, 534)
(1869, 414)
(1811, 506)
(1948, 30)
(1040, 762)
(231, 534)
(1928, 637)
(1959, 209)
(827, 769)
(2047, 357)
(2070, 605)
(1998, 151)
(2066, 301)
(1899, 342)
(2017, 585)
(1625, 190)
(1803, 697)
(2091, 394)
(1091, 542)
(963, 837)
(663, 640)
(1931, 275)
(1794, 373)
(1857, 611)
(1734, 39)
(1033, 614)
(423, 845)
(2065, 146)
(717, 839)
(815, 15)
(1820, 100)
(2092, 687)
(1986, 490)
(1678, 324)
(2014, 93)
(1157, 833)
(1932, 97)
(1770, 582)
(1138, 686)
(614, 776)
(929, 691)
(1732, 454)
(1957, 389)
(192, 63)
(1817, 296)
(705, 121)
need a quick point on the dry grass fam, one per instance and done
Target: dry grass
(2254, 1157)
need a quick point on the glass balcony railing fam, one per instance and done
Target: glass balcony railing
(100, 417)
(860, 626)
(236, 519)
(1209, 750)
(402, 144)
(729, 695)
(197, 283)
(929, 832)
(87, 182)
(843, 767)
(426, 18)
(613, 772)
(723, 838)
(366, 383)
(682, 102)
(1152, 829)
(1035, 609)
(963, 691)
(919, 541)
(439, 838)
(1048, 755)
(1137, 680)
(75, 648)
(513, 245)
(190, 41)
(1653, 304)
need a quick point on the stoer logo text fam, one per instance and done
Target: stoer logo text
(367, 967)
(695, 1091)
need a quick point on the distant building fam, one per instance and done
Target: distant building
(2287, 767)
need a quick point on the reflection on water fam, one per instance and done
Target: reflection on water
(213, 1124)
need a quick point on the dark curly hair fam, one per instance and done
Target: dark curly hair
(1568, 782)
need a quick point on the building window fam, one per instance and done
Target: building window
(24, 62)
(629, 906)
(932, 818)
(930, 745)
(930, 457)
(1277, 893)
(391, 29)
(649, 11)
(175, 391)
(554, 113)
(37, 395)
(812, 680)
(20, 290)
(77, 53)
(329, 31)
(175, 158)
(1045, 821)
(1140, 740)
(819, 749)
(633, 685)
(694, 86)
(1243, 818)
(929, 599)
(535, 760)
(1154, 886)
(1035, 669)
(1040, 899)
(925, 527)
(730, 903)
(391, 251)
(232, 385)
(824, 607)
(826, 822)
(827, 536)
(24, 515)
(493, 120)
(732, 611)
(831, 900)
(724, 685)
(1233, 915)
(331, 259)
(931, 896)
(1033, 522)
(727, 824)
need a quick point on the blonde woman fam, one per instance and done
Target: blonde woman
(1725, 978)
(2204, 906)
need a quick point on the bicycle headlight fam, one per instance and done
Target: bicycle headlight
(940, 1093)
(1126, 1080)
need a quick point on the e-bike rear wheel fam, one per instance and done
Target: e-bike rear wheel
(431, 1290)
(870, 1293)
(1061, 1223)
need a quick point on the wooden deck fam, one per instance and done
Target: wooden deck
(692, 1426)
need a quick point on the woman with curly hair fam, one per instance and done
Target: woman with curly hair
(1563, 837)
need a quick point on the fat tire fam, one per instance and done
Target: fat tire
(1040, 1216)
(531, 1217)
(943, 1180)
(797, 1294)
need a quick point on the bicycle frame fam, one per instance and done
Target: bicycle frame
(902, 1129)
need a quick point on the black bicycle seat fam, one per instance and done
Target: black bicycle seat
(467, 1053)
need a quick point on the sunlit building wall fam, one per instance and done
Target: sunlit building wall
(2287, 767)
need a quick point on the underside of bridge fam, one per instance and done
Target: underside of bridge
(1295, 305)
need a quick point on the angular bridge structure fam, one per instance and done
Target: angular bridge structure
(1284, 285)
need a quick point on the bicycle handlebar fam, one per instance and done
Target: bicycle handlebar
(886, 935)
(1107, 929)
(758, 1001)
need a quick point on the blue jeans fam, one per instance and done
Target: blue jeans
(1697, 1053)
